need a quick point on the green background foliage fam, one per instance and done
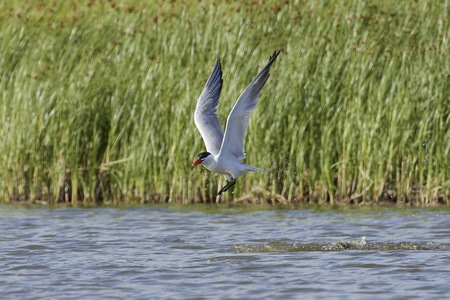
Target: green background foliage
(100, 95)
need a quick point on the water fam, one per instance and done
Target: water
(224, 252)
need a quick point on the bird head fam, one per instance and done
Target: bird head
(201, 158)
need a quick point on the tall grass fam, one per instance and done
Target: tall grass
(97, 99)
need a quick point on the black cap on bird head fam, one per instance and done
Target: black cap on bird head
(201, 158)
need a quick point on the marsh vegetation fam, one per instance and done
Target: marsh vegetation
(97, 99)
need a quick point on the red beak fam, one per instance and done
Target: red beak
(198, 161)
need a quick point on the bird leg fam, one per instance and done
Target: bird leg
(225, 188)
(233, 182)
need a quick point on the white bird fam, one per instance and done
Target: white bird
(224, 152)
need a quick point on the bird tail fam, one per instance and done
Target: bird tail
(244, 169)
(253, 169)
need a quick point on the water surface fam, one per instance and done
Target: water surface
(224, 252)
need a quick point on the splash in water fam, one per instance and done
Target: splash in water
(337, 246)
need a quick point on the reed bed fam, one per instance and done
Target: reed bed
(97, 100)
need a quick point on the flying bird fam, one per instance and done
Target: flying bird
(224, 152)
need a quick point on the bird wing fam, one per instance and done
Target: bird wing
(237, 122)
(205, 116)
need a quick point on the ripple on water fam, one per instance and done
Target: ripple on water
(148, 252)
(28, 267)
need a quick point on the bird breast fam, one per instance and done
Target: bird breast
(217, 165)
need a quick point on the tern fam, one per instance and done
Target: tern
(224, 152)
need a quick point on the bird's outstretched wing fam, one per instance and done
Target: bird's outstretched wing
(237, 122)
(205, 116)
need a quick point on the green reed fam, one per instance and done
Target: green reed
(100, 95)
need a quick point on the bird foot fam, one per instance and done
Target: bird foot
(226, 187)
